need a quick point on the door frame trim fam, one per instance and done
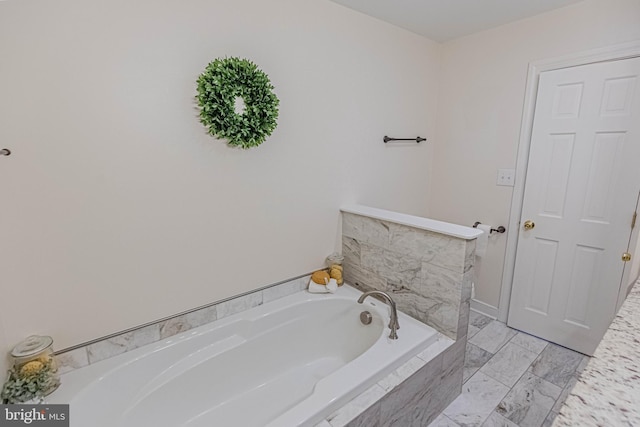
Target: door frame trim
(609, 53)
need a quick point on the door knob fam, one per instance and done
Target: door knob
(626, 257)
(528, 224)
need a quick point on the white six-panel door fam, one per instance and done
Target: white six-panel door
(581, 189)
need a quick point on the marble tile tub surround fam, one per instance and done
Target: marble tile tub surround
(411, 396)
(101, 349)
(428, 273)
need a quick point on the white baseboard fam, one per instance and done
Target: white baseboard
(484, 308)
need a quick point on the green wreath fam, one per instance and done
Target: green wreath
(221, 85)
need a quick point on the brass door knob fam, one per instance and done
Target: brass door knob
(626, 257)
(528, 224)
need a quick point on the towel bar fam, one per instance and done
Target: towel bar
(417, 139)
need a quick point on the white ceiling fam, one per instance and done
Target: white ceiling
(443, 20)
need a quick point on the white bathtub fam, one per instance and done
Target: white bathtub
(290, 362)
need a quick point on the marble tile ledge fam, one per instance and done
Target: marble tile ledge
(607, 392)
(455, 230)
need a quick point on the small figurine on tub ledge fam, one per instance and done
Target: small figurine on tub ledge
(321, 283)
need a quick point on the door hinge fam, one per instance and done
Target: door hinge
(633, 219)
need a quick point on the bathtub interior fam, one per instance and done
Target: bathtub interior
(276, 362)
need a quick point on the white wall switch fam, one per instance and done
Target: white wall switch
(506, 177)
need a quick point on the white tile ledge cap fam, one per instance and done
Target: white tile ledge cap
(460, 231)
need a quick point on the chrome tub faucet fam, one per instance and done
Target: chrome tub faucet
(393, 321)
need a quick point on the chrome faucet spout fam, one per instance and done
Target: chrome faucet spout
(393, 318)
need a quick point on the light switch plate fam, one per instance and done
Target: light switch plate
(506, 177)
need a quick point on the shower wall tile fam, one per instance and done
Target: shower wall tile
(236, 305)
(187, 321)
(469, 255)
(418, 391)
(463, 320)
(414, 402)
(440, 283)
(407, 400)
(356, 274)
(123, 343)
(453, 358)
(390, 265)
(449, 390)
(467, 285)
(74, 359)
(402, 373)
(285, 289)
(445, 317)
(434, 248)
(356, 407)
(369, 418)
(366, 230)
(431, 352)
(428, 274)
(350, 250)
(415, 305)
(106, 348)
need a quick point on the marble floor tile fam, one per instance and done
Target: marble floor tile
(529, 342)
(497, 420)
(565, 392)
(508, 364)
(532, 401)
(582, 365)
(493, 336)
(556, 364)
(443, 421)
(472, 331)
(478, 320)
(474, 359)
(548, 422)
(529, 401)
(479, 397)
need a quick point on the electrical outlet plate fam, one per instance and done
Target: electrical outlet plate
(506, 177)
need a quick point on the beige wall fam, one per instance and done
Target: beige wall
(122, 210)
(482, 94)
(118, 209)
(4, 357)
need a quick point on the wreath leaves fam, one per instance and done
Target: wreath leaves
(224, 80)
